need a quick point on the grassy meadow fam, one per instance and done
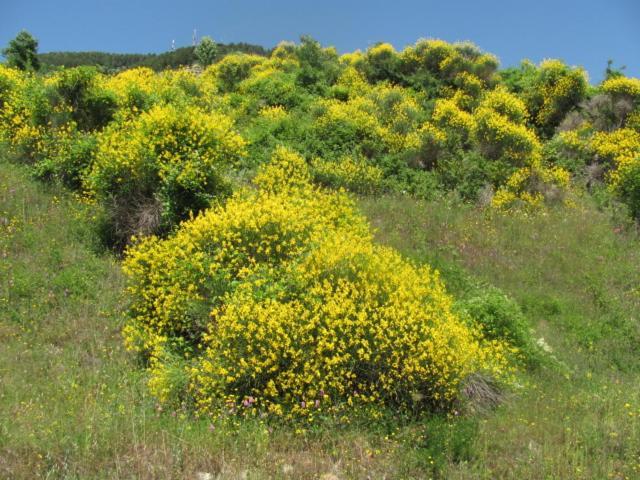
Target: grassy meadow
(74, 403)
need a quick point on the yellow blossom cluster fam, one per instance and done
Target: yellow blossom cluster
(555, 89)
(289, 308)
(447, 60)
(355, 124)
(532, 187)
(448, 116)
(619, 147)
(171, 153)
(623, 87)
(500, 131)
(16, 130)
(352, 173)
(617, 152)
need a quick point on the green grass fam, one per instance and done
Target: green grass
(73, 403)
(577, 277)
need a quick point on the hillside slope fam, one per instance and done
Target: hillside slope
(576, 275)
(74, 404)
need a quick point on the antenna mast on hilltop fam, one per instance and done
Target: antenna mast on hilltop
(173, 45)
(195, 37)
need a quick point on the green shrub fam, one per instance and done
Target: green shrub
(69, 161)
(160, 167)
(271, 87)
(501, 318)
(229, 72)
(553, 92)
(79, 91)
(627, 186)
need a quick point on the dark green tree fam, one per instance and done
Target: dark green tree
(22, 52)
(613, 72)
(319, 67)
(206, 51)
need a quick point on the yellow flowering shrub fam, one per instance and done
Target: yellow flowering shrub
(14, 114)
(285, 50)
(380, 51)
(448, 116)
(181, 86)
(286, 170)
(270, 85)
(11, 82)
(633, 120)
(499, 130)
(621, 150)
(229, 72)
(354, 126)
(426, 145)
(279, 302)
(433, 55)
(277, 112)
(397, 108)
(382, 63)
(28, 117)
(506, 104)
(139, 89)
(445, 61)
(532, 187)
(171, 155)
(352, 82)
(253, 230)
(622, 87)
(571, 149)
(80, 95)
(625, 182)
(556, 89)
(469, 89)
(353, 174)
(136, 89)
(618, 147)
(353, 59)
(361, 325)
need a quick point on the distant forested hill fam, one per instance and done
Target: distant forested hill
(157, 61)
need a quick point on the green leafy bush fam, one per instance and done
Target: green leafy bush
(500, 318)
(80, 92)
(167, 162)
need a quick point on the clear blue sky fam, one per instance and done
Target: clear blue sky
(585, 32)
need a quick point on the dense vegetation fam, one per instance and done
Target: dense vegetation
(113, 62)
(257, 292)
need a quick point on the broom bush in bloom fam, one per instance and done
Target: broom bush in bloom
(555, 90)
(12, 107)
(532, 187)
(499, 132)
(136, 89)
(280, 302)
(229, 72)
(382, 63)
(618, 147)
(353, 174)
(174, 157)
(352, 127)
(506, 104)
(621, 150)
(82, 94)
(622, 87)
(449, 117)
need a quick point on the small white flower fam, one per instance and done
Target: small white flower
(544, 345)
